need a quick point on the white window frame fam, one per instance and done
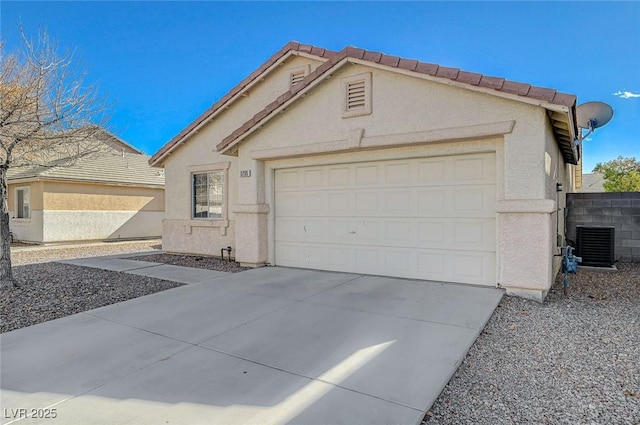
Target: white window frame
(207, 192)
(26, 202)
(364, 77)
(205, 169)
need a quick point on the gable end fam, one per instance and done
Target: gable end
(562, 104)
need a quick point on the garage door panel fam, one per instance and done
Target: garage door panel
(432, 171)
(456, 201)
(367, 175)
(426, 218)
(367, 203)
(340, 176)
(446, 234)
(476, 169)
(474, 201)
(433, 202)
(433, 233)
(288, 180)
(400, 262)
(479, 169)
(399, 173)
(367, 259)
(340, 203)
(339, 230)
(315, 255)
(289, 229)
(314, 178)
(295, 229)
(399, 203)
(471, 267)
(339, 258)
(435, 265)
(287, 204)
(367, 231)
(400, 232)
(313, 204)
(474, 235)
(424, 202)
(289, 253)
(448, 266)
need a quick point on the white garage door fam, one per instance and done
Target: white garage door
(423, 218)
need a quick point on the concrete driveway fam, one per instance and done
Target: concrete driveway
(264, 346)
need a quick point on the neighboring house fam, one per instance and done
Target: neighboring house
(113, 195)
(593, 182)
(361, 162)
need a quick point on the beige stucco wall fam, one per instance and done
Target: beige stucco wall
(411, 117)
(29, 229)
(101, 197)
(403, 104)
(578, 175)
(558, 172)
(72, 211)
(181, 233)
(533, 236)
(403, 108)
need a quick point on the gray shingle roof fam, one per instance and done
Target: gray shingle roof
(111, 166)
(592, 182)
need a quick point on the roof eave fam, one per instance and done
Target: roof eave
(211, 113)
(565, 105)
(257, 76)
(280, 105)
(102, 182)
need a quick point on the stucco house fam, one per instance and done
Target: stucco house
(362, 162)
(113, 195)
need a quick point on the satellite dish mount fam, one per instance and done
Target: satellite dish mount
(592, 115)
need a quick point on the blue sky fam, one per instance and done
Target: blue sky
(163, 63)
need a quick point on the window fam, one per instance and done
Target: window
(22, 203)
(208, 195)
(357, 95)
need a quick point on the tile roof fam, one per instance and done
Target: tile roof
(524, 90)
(112, 165)
(292, 46)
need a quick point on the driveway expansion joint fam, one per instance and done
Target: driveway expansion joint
(215, 350)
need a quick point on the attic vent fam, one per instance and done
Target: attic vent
(595, 245)
(296, 78)
(296, 75)
(357, 95)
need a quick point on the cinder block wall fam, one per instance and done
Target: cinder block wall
(620, 210)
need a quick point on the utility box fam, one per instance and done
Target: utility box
(595, 245)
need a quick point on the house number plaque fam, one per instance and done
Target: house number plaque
(245, 173)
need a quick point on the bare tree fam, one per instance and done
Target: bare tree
(48, 117)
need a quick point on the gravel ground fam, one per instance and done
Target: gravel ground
(52, 290)
(21, 255)
(49, 290)
(198, 262)
(571, 360)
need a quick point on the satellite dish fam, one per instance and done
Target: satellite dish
(592, 115)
